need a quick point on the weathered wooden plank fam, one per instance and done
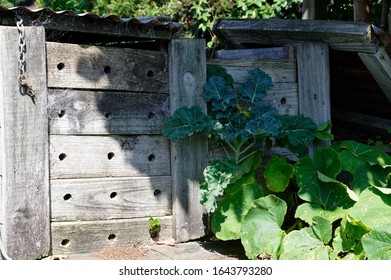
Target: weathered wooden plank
(314, 81)
(366, 123)
(379, 64)
(108, 156)
(110, 198)
(261, 53)
(346, 36)
(280, 70)
(284, 97)
(187, 63)
(93, 236)
(103, 113)
(24, 147)
(92, 67)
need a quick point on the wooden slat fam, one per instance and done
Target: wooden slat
(110, 198)
(108, 156)
(103, 113)
(379, 64)
(92, 67)
(189, 155)
(280, 70)
(284, 97)
(261, 53)
(93, 236)
(367, 123)
(314, 81)
(346, 36)
(24, 147)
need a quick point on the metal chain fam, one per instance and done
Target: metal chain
(25, 87)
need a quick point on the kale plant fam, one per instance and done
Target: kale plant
(332, 205)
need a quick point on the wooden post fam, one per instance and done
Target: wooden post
(314, 81)
(24, 147)
(315, 9)
(362, 11)
(187, 72)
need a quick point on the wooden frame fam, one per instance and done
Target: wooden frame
(85, 166)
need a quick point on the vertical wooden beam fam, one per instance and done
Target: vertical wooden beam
(362, 11)
(24, 147)
(315, 9)
(314, 81)
(187, 72)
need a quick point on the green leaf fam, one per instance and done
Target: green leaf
(261, 227)
(217, 70)
(227, 220)
(322, 229)
(372, 209)
(330, 196)
(218, 175)
(296, 132)
(186, 121)
(377, 243)
(307, 211)
(253, 90)
(221, 97)
(327, 162)
(304, 245)
(323, 131)
(371, 154)
(278, 173)
(369, 175)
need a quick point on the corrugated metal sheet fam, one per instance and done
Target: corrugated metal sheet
(93, 24)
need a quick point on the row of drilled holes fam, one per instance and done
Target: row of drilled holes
(68, 196)
(150, 115)
(66, 242)
(106, 70)
(110, 156)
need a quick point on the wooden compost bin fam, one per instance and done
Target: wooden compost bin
(353, 56)
(85, 165)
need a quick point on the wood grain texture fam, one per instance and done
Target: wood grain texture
(314, 81)
(24, 147)
(280, 70)
(379, 64)
(345, 36)
(74, 157)
(260, 53)
(92, 67)
(104, 113)
(110, 198)
(87, 237)
(188, 156)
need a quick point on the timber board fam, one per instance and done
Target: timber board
(74, 157)
(109, 68)
(86, 237)
(339, 35)
(104, 113)
(280, 70)
(110, 198)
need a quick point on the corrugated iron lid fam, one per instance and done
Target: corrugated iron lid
(69, 21)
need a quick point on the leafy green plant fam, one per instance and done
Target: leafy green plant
(154, 227)
(321, 207)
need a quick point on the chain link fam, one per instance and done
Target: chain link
(25, 87)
